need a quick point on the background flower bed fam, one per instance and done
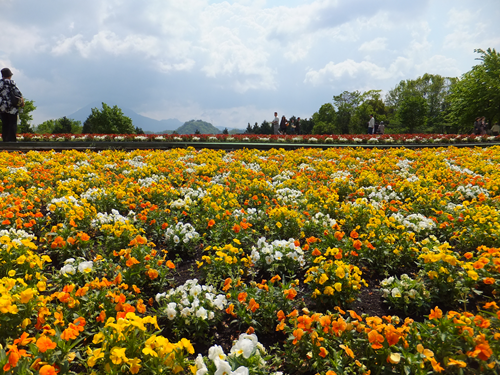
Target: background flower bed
(320, 139)
(100, 252)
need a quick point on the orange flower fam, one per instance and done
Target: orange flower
(348, 350)
(281, 315)
(468, 255)
(227, 284)
(242, 297)
(152, 274)
(323, 352)
(491, 304)
(290, 293)
(47, 370)
(252, 305)
(131, 262)
(101, 317)
(298, 333)
(236, 228)
(482, 349)
(376, 339)
(170, 264)
(489, 280)
(24, 339)
(357, 244)
(316, 252)
(211, 223)
(339, 235)
(274, 279)
(44, 343)
(436, 313)
(354, 234)
(392, 335)
(230, 310)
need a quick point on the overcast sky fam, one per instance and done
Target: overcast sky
(232, 62)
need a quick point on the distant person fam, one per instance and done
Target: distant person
(8, 111)
(283, 125)
(477, 126)
(276, 123)
(297, 126)
(371, 125)
(381, 128)
(495, 129)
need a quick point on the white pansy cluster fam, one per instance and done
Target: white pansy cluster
(414, 222)
(288, 196)
(323, 220)
(472, 191)
(279, 251)
(136, 162)
(283, 176)
(71, 265)
(380, 194)
(16, 236)
(181, 233)
(58, 202)
(247, 350)
(106, 218)
(191, 300)
(93, 194)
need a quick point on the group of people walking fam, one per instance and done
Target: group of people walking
(375, 127)
(284, 126)
(481, 127)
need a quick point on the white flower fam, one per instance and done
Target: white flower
(202, 313)
(396, 293)
(85, 267)
(201, 368)
(176, 239)
(68, 269)
(171, 313)
(223, 367)
(245, 345)
(216, 352)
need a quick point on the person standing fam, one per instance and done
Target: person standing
(371, 124)
(8, 111)
(276, 123)
(297, 126)
(283, 125)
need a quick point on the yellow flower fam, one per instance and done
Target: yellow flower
(117, 355)
(323, 279)
(338, 287)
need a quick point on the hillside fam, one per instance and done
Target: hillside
(146, 123)
(203, 127)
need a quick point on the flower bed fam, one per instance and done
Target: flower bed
(250, 262)
(252, 138)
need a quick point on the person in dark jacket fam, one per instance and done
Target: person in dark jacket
(283, 125)
(8, 111)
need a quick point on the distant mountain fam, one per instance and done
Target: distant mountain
(143, 122)
(190, 127)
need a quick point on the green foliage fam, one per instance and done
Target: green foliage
(108, 121)
(346, 104)
(324, 120)
(190, 127)
(433, 89)
(412, 113)
(59, 126)
(477, 93)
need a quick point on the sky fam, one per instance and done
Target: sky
(232, 62)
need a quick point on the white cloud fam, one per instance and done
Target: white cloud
(377, 44)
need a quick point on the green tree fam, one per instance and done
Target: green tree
(26, 116)
(413, 112)
(266, 128)
(64, 126)
(346, 105)
(477, 93)
(434, 89)
(324, 120)
(46, 127)
(108, 121)
(370, 103)
(225, 131)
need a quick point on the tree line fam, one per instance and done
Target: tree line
(428, 104)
